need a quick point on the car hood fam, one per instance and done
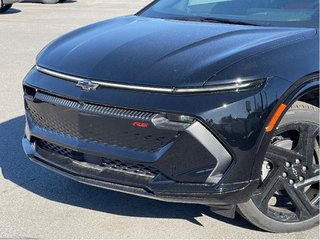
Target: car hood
(158, 52)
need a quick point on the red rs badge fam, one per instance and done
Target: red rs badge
(140, 124)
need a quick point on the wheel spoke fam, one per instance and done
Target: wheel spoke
(268, 188)
(304, 208)
(317, 148)
(279, 155)
(307, 182)
(315, 200)
(306, 142)
(317, 153)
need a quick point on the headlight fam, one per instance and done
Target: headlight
(172, 121)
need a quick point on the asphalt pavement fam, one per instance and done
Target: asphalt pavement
(36, 203)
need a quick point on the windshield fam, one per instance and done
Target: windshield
(287, 13)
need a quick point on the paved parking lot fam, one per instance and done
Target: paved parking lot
(35, 203)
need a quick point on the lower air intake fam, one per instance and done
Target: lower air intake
(115, 165)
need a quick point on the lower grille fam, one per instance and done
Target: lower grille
(115, 165)
(129, 168)
(50, 147)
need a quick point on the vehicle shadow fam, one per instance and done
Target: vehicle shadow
(11, 11)
(39, 1)
(16, 168)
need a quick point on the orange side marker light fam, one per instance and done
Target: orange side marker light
(275, 117)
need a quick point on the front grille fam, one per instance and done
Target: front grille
(105, 163)
(97, 124)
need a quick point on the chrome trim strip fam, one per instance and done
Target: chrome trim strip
(59, 75)
(235, 85)
(208, 140)
(103, 84)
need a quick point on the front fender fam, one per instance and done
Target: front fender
(302, 87)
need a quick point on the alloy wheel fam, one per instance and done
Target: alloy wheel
(289, 190)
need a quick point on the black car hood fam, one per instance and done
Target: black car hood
(157, 52)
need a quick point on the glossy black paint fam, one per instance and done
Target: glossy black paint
(242, 148)
(170, 53)
(161, 52)
(115, 138)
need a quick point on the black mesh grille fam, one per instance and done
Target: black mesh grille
(116, 165)
(106, 125)
(50, 147)
(130, 168)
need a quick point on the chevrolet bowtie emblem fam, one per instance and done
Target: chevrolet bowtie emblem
(87, 85)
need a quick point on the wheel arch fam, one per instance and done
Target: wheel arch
(305, 89)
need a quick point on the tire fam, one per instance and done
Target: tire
(5, 8)
(293, 191)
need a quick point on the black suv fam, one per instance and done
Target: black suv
(213, 102)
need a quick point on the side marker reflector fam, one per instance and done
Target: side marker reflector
(275, 117)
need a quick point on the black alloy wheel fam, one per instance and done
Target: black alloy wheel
(287, 199)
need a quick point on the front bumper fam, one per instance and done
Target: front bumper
(104, 146)
(161, 189)
(181, 159)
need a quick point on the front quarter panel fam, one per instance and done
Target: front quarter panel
(241, 125)
(287, 68)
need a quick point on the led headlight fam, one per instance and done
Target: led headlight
(172, 121)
